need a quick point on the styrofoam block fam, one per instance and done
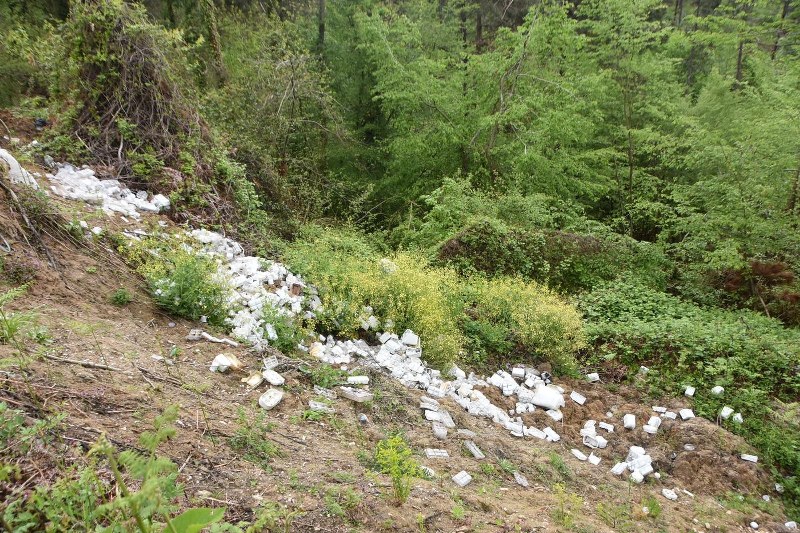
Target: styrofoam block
(577, 397)
(686, 414)
(578, 454)
(629, 421)
(619, 468)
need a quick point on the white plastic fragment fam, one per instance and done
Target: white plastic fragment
(750, 458)
(410, 338)
(619, 468)
(356, 395)
(439, 431)
(462, 479)
(320, 407)
(270, 399)
(222, 363)
(669, 494)
(595, 441)
(605, 425)
(520, 479)
(654, 421)
(651, 430)
(211, 338)
(689, 391)
(791, 525)
(474, 450)
(629, 421)
(686, 414)
(726, 412)
(716, 391)
(670, 415)
(273, 377)
(358, 380)
(578, 454)
(17, 174)
(436, 453)
(518, 372)
(594, 377)
(547, 397)
(636, 476)
(659, 409)
(551, 435)
(577, 397)
(737, 417)
(254, 380)
(754, 524)
(593, 459)
(554, 414)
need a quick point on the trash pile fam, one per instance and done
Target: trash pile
(110, 195)
(262, 290)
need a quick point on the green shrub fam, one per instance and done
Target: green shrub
(755, 358)
(393, 457)
(182, 281)
(121, 297)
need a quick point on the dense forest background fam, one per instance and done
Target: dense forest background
(641, 158)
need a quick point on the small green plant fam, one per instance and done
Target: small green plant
(251, 440)
(14, 323)
(91, 270)
(342, 502)
(458, 512)
(394, 458)
(558, 464)
(653, 506)
(616, 516)
(121, 297)
(327, 377)
(507, 466)
(568, 505)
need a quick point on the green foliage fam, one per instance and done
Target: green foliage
(251, 440)
(394, 458)
(616, 516)
(327, 377)
(567, 508)
(182, 281)
(486, 316)
(14, 323)
(755, 358)
(121, 297)
(653, 506)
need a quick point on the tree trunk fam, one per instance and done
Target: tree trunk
(214, 40)
(321, 26)
(465, 61)
(478, 32)
(780, 32)
(678, 12)
(739, 57)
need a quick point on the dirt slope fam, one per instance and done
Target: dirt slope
(318, 463)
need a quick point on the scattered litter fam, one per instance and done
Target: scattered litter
(716, 391)
(792, 525)
(689, 391)
(194, 335)
(605, 425)
(726, 412)
(17, 174)
(320, 407)
(594, 377)
(462, 479)
(689, 494)
(520, 479)
(689, 447)
(362, 418)
(670, 415)
(754, 525)
(439, 431)
(358, 380)
(270, 399)
(619, 468)
(578, 398)
(551, 435)
(595, 441)
(474, 450)
(222, 363)
(211, 338)
(273, 377)
(737, 417)
(669, 494)
(686, 414)
(429, 472)
(629, 421)
(254, 380)
(593, 459)
(466, 434)
(750, 458)
(636, 476)
(578, 454)
(436, 453)
(555, 414)
(356, 395)
(325, 393)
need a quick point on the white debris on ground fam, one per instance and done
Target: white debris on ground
(110, 195)
(17, 174)
(262, 290)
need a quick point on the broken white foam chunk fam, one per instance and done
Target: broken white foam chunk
(518, 372)
(270, 399)
(669, 494)
(358, 380)
(608, 427)
(791, 525)
(578, 454)
(646, 469)
(594, 377)
(634, 453)
(273, 377)
(689, 391)
(619, 468)
(636, 476)
(629, 421)
(551, 435)
(651, 430)
(654, 421)
(577, 397)
(670, 415)
(659, 409)
(462, 479)
(555, 414)
(716, 391)
(595, 441)
(726, 412)
(593, 459)
(750, 458)
(436, 453)
(689, 494)
(686, 414)
(737, 417)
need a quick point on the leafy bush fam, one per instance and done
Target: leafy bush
(394, 458)
(489, 317)
(182, 281)
(755, 358)
(121, 297)
(14, 323)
